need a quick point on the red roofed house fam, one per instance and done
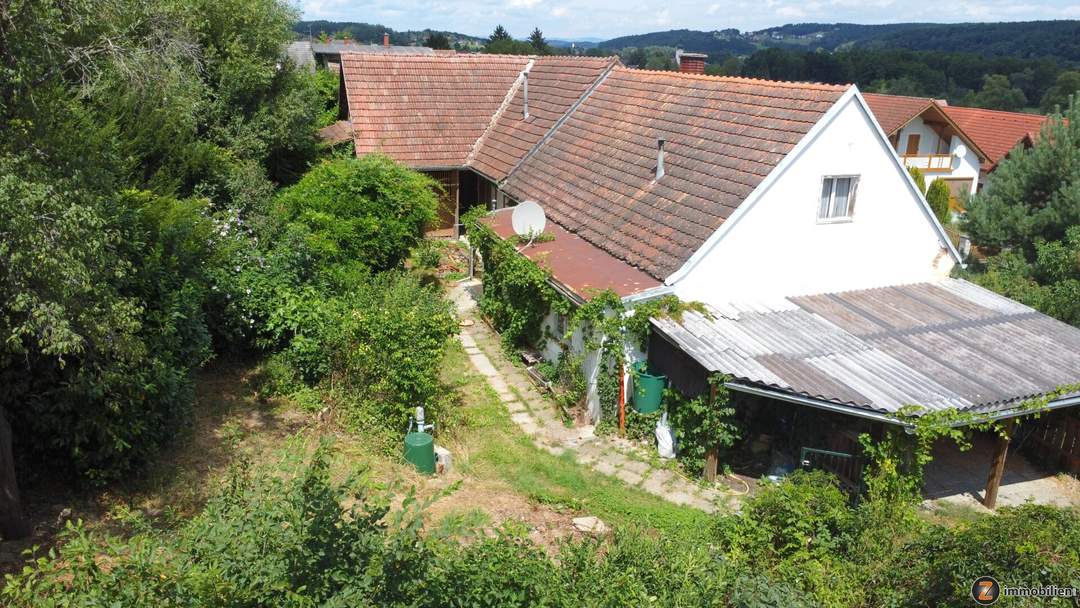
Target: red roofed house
(781, 207)
(960, 145)
(465, 119)
(926, 136)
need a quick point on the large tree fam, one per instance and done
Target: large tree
(128, 125)
(1034, 194)
(536, 39)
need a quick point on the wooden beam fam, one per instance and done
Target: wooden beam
(997, 465)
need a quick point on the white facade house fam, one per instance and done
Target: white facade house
(838, 213)
(925, 136)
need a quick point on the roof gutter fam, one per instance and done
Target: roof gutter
(651, 293)
(1021, 411)
(816, 403)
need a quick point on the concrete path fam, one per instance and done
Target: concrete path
(536, 415)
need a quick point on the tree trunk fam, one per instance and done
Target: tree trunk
(13, 522)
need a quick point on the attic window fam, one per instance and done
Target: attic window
(837, 198)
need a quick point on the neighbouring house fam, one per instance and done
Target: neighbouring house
(927, 137)
(782, 208)
(466, 120)
(309, 54)
(954, 143)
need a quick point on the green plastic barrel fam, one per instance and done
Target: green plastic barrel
(420, 450)
(648, 389)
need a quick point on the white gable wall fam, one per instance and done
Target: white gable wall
(775, 246)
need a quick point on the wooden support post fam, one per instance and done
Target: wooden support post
(997, 466)
(622, 400)
(712, 456)
(712, 463)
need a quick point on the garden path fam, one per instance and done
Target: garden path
(536, 415)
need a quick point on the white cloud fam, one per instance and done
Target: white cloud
(523, 3)
(793, 12)
(713, 9)
(559, 11)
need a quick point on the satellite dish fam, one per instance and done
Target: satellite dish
(528, 219)
(960, 151)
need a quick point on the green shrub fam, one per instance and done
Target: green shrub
(428, 254)
(918, 177)
(367, 210)
(938, 196)
(805, 516)
(387, 348)
(701, 424)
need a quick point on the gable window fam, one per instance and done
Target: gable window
(837, 198)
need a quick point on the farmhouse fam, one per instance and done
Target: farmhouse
(782, 208)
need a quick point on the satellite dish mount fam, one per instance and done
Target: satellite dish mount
(528, 220)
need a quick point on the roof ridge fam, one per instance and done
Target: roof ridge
(992, 111)
(743, 79)
(494, 120)
(430, 57)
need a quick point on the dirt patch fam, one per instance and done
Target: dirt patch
(229, 418)
(500, 506)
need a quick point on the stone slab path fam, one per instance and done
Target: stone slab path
(536, 415)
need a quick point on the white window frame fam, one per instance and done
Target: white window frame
(852, 191)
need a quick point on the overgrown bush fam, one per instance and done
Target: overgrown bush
(701, 424)
(387, 348)
(293, 536)
(369, 210)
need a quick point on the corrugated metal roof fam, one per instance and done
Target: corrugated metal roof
(947, 344)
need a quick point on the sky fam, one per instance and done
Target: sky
(611, 18)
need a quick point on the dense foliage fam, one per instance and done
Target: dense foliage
(295, 537)
(368, 211)
(132, 129)
(1027, 216)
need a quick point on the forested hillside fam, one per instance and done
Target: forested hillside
(372, 33)
(1058, 39)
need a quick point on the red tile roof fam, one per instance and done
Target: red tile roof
(555, 85)
(895, 111)
(580, 267)
(425, 111)
(595, 175)
(996, 132)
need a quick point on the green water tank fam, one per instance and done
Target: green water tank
(648, 389)
(420, 450)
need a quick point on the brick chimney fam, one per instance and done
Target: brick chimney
(386, 39)
(690, 63)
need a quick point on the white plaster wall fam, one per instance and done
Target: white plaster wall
(776, 246)
(552, 349)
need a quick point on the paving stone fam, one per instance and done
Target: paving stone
(657, 482)
(585, 458)
(483, 365)
(514, 406)
(467, 339)
(605, 467)
(554, 450)
(628, 476)
(636, 466)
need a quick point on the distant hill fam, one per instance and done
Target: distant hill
(372, 32)
(1059, 39)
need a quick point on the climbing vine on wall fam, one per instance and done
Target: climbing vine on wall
(516, 295)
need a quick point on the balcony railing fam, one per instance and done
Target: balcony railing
(929, 163)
